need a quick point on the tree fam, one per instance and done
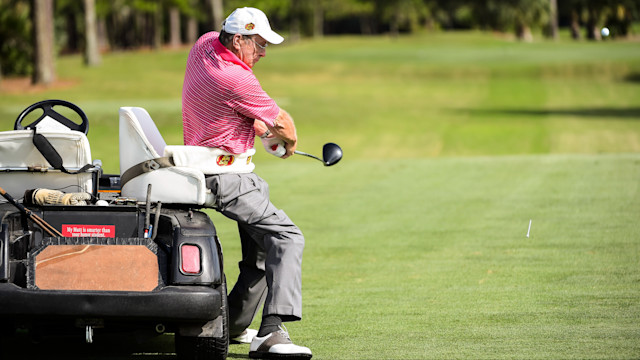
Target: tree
(157, 25)
(337, 14)
(71, 13)
(589, 16)
(43, 35)
(217, 14)
(318, 19)
(520, 16)
(553, 18)
(91, 48)
(622, 16)
(16, 50)
(406, 15)
(529, 14)
(174, 27)
(595, 19)
(192, 10)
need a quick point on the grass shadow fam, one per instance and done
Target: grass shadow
(629, 113)
(633, 78)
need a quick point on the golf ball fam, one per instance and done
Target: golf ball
(604, 31)
(102, 203)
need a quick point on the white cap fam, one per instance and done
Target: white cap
(250, 21)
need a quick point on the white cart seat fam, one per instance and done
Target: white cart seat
(141, 141)
(23, 167)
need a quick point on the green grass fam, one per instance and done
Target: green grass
(416, 241)
(429, 258)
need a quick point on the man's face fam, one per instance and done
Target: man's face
(251, 49)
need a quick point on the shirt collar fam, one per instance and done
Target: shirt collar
(227, 55)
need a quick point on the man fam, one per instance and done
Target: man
(224, 107)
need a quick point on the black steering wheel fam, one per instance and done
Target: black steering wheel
(47, 108)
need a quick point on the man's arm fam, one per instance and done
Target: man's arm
(283, 128)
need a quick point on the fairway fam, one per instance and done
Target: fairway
(416, 243)
(429, 259)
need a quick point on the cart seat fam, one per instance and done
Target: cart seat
(142, 146)
(23, 167)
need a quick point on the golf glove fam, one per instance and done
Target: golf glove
(274, 146)
(56, 197)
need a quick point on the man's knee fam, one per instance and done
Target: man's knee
(290, 240)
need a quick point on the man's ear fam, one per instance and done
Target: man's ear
(236, 41)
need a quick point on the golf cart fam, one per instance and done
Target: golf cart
(87, 254)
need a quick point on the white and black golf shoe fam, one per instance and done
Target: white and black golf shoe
(245, 338)
(277, 345)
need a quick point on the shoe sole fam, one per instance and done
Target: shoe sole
(269, 355)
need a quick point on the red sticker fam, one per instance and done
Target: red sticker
(89, 230)
(225, 160)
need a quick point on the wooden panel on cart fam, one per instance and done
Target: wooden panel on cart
(96, 267)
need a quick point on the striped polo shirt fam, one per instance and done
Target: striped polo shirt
(221, 97)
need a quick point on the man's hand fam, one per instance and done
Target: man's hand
(261, 128)
(291, 148)
(285, 129)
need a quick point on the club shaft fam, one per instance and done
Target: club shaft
(45, 225)
(309, 155)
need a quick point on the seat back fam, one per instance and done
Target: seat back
(23, 167)
(140, 141)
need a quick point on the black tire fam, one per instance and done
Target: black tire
(207, 348)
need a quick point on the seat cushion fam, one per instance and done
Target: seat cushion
(20, 161)
(174, 185)
(17, 149)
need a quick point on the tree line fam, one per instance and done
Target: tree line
(34, 32)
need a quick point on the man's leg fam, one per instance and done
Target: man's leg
(283, 244)
(245, 198)
(250, 290)
(283, 267)
(278, 246)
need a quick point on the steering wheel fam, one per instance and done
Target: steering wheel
(47, 108)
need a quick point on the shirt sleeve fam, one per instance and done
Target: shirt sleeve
(253, 102)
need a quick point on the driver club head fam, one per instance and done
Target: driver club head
(331, 154)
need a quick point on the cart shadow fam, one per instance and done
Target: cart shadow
(103, 348)
(237, 356)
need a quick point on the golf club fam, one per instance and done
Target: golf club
(331, 154)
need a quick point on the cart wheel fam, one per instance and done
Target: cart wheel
(209, 348)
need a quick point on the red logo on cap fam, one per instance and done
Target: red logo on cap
(249, 26)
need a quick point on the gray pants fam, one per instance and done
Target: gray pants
(270, 269)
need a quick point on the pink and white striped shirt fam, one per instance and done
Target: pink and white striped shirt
(221, 97)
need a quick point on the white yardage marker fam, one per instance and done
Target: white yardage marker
(529, 230)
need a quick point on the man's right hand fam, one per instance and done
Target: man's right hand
(290, 147)
(285, 129)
